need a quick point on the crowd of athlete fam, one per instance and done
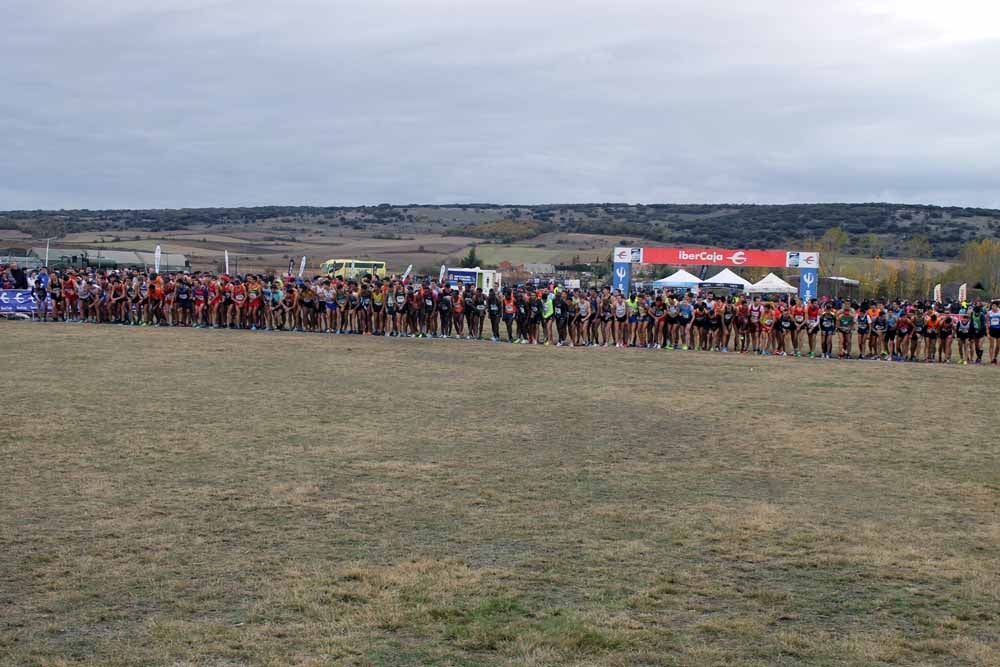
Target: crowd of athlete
(547, 315)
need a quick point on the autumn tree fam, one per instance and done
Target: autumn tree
(981, 263)
(831, 246)
(918, 245)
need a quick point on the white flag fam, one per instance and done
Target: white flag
(156, 259)
(441, 275)
(937, 293)
(227, 262)
(963, 292)
(406, 274)
(302, 266)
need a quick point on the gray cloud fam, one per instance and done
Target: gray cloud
(183, 103)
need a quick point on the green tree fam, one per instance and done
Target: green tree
(471, 260)
(872, 245)
(918, 246)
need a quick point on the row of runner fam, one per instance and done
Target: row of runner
(531, 315)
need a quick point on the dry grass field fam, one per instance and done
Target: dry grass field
(262, 247)
(232, 498)
(269, 247)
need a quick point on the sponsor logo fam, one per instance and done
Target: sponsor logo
(712, 256)
(13, 301)
(701, 256)
(808, 278)
(628, 255)
(803, 259)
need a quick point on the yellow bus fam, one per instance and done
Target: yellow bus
(353, 268)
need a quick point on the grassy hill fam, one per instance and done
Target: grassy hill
(874, 229)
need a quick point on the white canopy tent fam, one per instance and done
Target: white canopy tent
(680, 278)
(727, 279)
(771, 284)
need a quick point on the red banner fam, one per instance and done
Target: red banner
(714, 256)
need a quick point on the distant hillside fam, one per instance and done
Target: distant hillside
(873, 229)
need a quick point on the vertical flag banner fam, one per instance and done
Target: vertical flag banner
(302, 266)
(963, 292)
(442, 273)
(406, 274)
(156, 259)
(227, 262)
(808, 279)
(621, 276)
(937, 293)
(621, 268)
(290, 264)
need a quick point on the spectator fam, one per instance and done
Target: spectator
(19, 277)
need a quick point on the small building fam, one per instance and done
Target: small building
(20, 256)
(539, 269)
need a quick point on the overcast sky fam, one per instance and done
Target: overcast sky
(169, 103)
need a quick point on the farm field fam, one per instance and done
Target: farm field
(259, 247)
(258, 250)
(189, 497)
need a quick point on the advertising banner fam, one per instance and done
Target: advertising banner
(467, 276)
(802, 260)
(629, 256)
(713, 257)
(718, 257)
(17, 301)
